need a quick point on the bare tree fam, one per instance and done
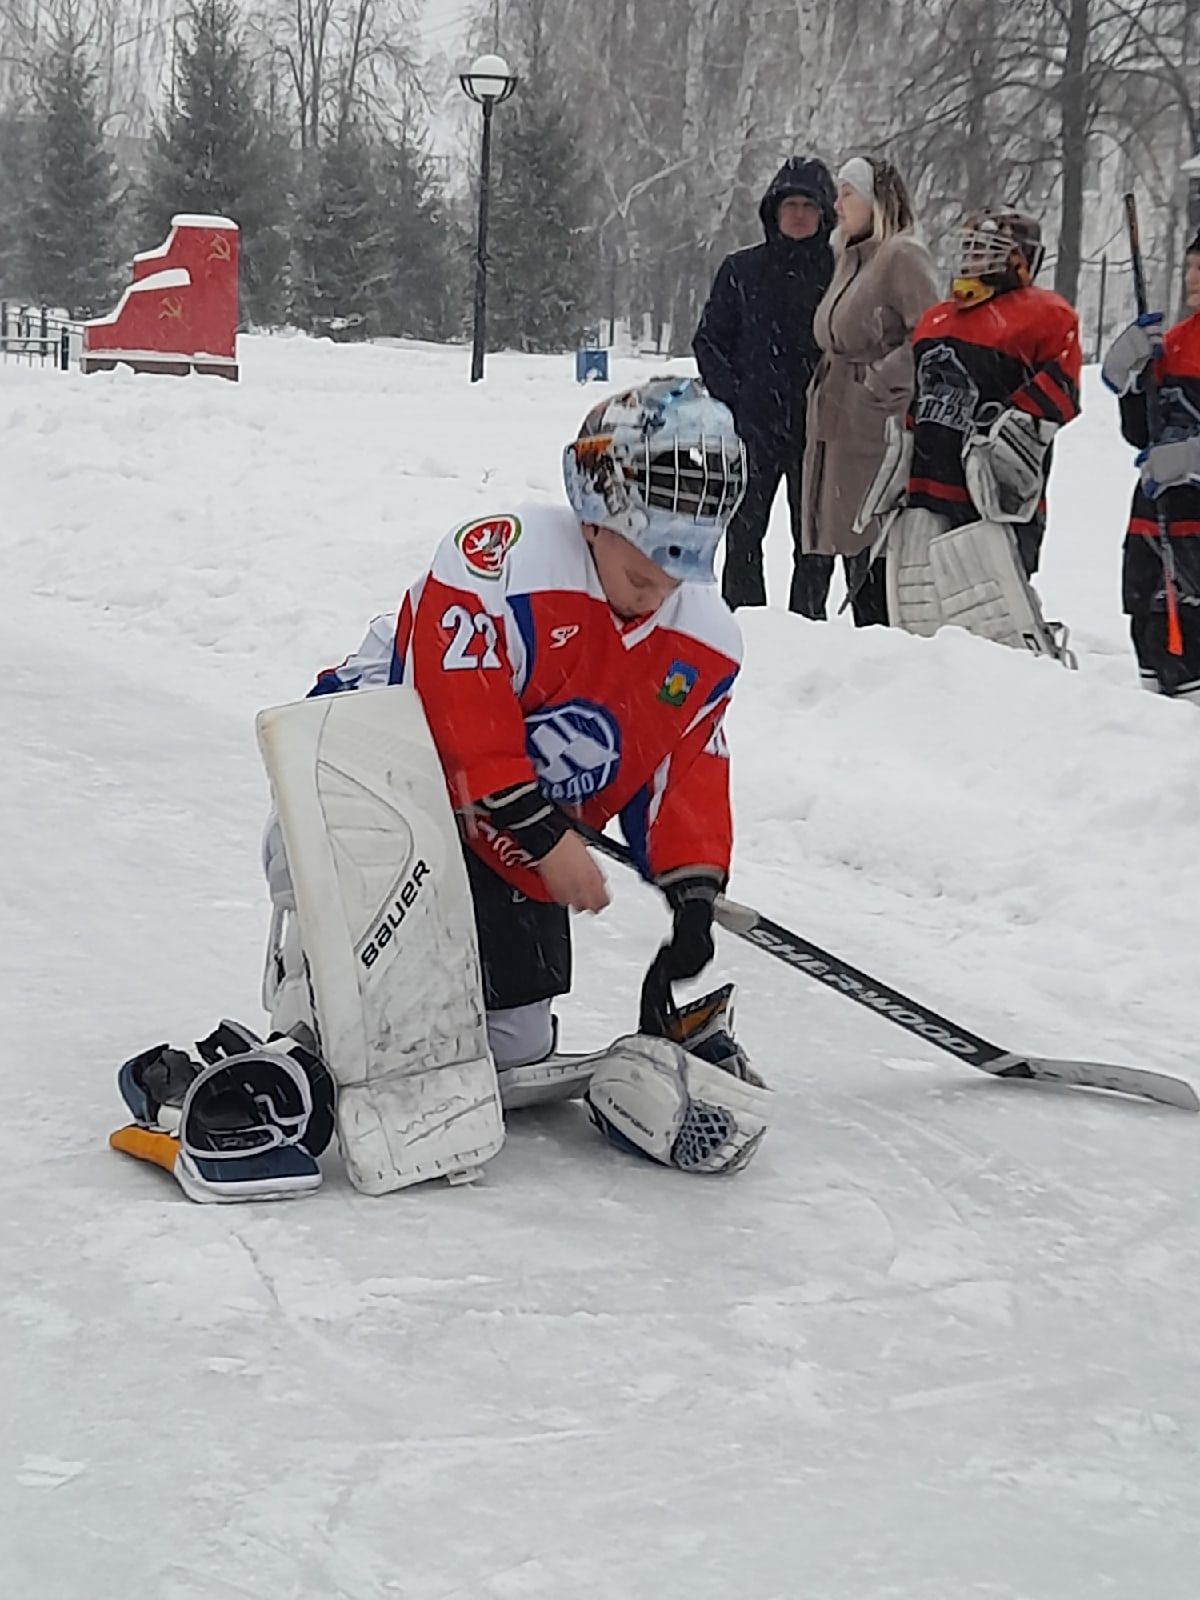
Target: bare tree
(344, 61)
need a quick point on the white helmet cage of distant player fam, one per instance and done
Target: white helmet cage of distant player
(1001, 244)
(663, 466)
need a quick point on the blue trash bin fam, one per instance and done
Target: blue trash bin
(591, 365)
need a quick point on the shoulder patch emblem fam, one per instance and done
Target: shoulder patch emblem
(484, 545)
(678, 683)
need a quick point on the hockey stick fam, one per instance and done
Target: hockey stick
(916, 1018)
(877, 552)
(1154, 421)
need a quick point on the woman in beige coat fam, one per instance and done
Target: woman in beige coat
(883, 280)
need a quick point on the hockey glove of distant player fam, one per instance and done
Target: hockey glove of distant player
(1132, 352)
(1170, 464)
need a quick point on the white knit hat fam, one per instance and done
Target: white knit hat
(859, 174)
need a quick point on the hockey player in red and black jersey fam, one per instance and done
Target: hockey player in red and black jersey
(997, 369)
(1170, 481)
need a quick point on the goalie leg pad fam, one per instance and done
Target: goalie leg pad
(654, 1097)
(982, 587)
(912, 597)
(539, 1083)
(529, 1069)
(386, 925)
(888, 486)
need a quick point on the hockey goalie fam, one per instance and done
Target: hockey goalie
(553, 665)
(962, 490)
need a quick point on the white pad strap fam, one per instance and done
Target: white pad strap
(388, 934)
(982, 587)
(912, 598)
(674, 1107)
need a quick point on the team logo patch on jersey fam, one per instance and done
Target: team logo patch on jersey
(678, 683)
(947, 394)
(575, 749)
(484, 545)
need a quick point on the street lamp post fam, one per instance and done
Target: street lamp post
(488, 82)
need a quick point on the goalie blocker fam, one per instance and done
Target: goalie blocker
(246, 1122)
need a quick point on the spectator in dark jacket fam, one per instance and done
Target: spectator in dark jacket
(756, 352)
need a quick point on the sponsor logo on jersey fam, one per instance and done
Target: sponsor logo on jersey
(575, 749)
(678, 683)
(563, 635)
(484, 545)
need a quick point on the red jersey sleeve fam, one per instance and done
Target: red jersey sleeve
(1052, 391)
(459, 661)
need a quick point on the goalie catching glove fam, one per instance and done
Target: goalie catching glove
(246, 1122)
(689, 1100)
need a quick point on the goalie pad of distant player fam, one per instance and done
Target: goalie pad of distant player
(890, 484)
(245, 1122)
(1004, 463)
(912, 596)
(981, 586)
(698, 1106)
(385, 930)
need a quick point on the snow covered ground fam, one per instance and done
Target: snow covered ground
(938, 1341)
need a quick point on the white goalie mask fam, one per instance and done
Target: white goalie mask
(663, 466)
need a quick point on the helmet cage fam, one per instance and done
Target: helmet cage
(662, 466)
(994, 246)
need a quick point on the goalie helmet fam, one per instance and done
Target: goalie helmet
(662, 465)
(1000, 250)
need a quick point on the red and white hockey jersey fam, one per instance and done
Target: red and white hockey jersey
(525, 672)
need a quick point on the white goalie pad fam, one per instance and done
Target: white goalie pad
(530, 1070)
(912, 597)
(386, 925)
(982, 587)
(540, 1083)
(890, 483)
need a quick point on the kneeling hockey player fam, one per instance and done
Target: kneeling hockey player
(553, 665)
(1169, 485)
(997, 370)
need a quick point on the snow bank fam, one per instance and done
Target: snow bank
(936, 1342)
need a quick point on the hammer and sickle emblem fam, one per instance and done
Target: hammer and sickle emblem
(218, 248)
(172, 309)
